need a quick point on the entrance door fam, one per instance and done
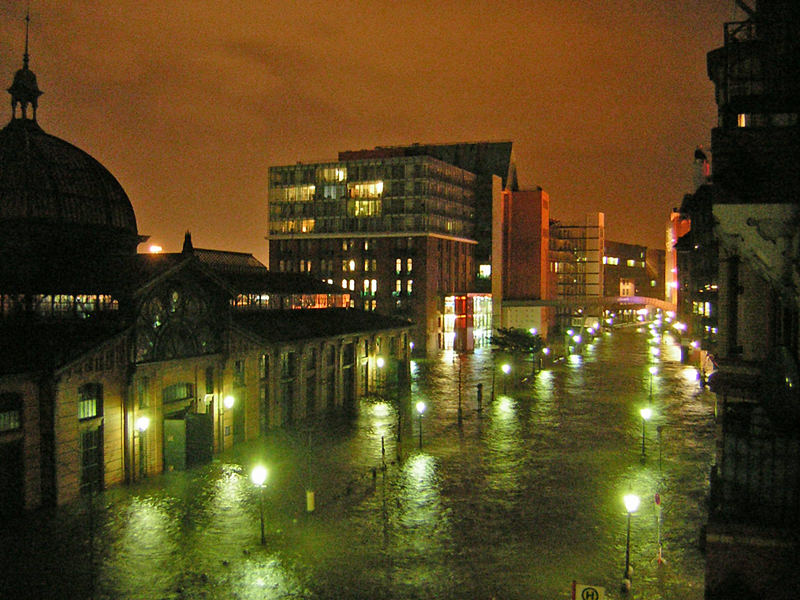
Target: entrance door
(92, 459)
(199, 439)
(12, 496)
(174, 444)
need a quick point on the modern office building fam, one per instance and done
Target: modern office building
(576, 265)
(402, 228)
(115, 365)
(488, 161)
(754, 510)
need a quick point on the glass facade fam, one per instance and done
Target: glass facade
(401, 194)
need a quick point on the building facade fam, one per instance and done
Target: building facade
(522, 290)
(633, 270)
(396, 232)
(116, 365)
(751, 538)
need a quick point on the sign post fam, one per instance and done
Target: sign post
(581, 591)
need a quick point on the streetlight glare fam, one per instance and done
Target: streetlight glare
(646, 413)
(631, 502)
(420, 407)
(228, 401)
(653, 370)
(258, 475)
(506, 368)
(380, 362)
(142, 423)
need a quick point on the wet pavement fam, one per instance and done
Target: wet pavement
(517, 501)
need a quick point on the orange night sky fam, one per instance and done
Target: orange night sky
(188, 102)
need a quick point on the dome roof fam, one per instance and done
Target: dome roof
(44, 179)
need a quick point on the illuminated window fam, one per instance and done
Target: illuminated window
(366, 286)
(409, 286)
(398, 286)
(344, 283)
(10, 412)
(742, 120)
(352, 265)
(352, 285)
(374, 285)
(90, 401)
(485, 271)
(366, 265)
(409, 265)
(398, 265)
(631, 262)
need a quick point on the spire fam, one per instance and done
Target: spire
(187, 244)
(24, 90)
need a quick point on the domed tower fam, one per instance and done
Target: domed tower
(64, 219)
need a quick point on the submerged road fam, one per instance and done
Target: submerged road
(516, 502)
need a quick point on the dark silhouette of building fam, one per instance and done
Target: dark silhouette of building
(115, 365)
(754, 514)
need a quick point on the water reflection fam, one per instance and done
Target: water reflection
(513, 502)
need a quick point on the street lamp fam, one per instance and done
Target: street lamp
(506, 370)
(460, 363)
(142, 423)
(653, 370)
(258, 476)
(646, 414)
(631, 505)
(420, 410)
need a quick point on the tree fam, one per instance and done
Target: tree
(518, 341)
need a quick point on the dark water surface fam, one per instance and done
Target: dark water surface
(515, 503)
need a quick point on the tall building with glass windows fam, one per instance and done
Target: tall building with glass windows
(398, 232)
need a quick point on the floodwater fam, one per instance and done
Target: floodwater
(516, 502)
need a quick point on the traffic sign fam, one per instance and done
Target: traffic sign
(588, 592)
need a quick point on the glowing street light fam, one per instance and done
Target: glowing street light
(258, 476)
(506, 370)
(646, 414)
(653, 370)
(141, 425)
(631, 506)
(420, 411)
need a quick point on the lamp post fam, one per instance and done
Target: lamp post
(646, 414)
(460, 362)
(631, 505)
(227, 404)
(653, 370)
(258, 476)
(506, 370)
(494, 372)
(420, 410)
(142, 423)
(380, 363)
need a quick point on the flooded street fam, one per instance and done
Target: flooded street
(516, 502)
